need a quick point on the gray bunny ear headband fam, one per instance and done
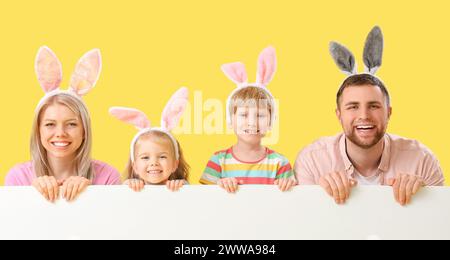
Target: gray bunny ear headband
(373, 54)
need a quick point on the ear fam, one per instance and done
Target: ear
(338, 113)
(267, 65)
(174, 109)
(48, 69)
(373, 50)
(131, 116)
(236, 72)
(343, 58)
(87, 72)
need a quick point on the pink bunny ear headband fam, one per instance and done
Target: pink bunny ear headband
(267, 63)
(49, 74)
(170, 117)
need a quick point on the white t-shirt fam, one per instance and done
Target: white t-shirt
(370, 180)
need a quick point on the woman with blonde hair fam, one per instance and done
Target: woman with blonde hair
(61, 138)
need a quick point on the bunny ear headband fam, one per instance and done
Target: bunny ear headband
(169, 120)
(267, 63)
(49, 73)
(373, 53)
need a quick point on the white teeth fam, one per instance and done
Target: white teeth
(60, 144)
(154, 172)
(365, 127)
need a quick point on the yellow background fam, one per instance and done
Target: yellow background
(150, 48)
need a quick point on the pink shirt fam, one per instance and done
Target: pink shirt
(23, 174)
(400, 155)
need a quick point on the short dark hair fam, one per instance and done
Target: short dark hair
(361, 80)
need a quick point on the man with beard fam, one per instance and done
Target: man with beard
(365, 154)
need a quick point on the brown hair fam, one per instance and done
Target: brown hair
(251, 96)
(182, 171)
(361, 80)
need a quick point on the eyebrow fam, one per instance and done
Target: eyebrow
(148, 154)
(53, 120)
(351, 103)
(357, 103)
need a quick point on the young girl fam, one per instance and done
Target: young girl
(61, 137)
(250, 112)
(155, 155)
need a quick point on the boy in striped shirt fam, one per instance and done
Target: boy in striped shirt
(250, 112)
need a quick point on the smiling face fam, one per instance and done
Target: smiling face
(61, 131)
(251, 123)
(154, 160)
(251, 114)
(364, 114)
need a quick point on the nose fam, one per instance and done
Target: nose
(154, 162)
(252, 120)
(364, 113)
(60, 131)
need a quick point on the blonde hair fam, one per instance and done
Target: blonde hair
(182, 171)
(82, 162)
(253, 96)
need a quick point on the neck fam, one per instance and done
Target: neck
(248, 147)
(62, 168)
(366, 161)
(248, 152)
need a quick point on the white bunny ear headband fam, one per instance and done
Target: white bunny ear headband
(169, 120)
(49, 73)
(373, 54)
(267, 63)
